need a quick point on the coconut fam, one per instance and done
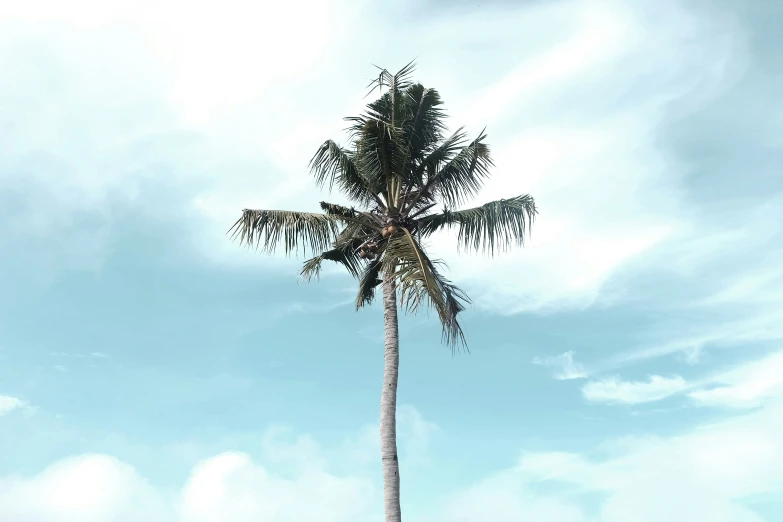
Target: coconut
(392, 229)
(363, 254)
(385, 232)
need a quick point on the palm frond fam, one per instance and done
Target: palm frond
(463, 175)
(398, 81)
(380, 155)
(424, 124)
(334, 209)
(375, 149)
(383, 131)
(424, 176)
(441, 154)
(496, 225)
(345, 255)
(420, 283)
(371, 221)
(369, 281)
(356, 230)
(334, 165)
(265, 229)
(344, 248)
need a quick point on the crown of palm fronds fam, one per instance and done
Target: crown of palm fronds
(398, 166)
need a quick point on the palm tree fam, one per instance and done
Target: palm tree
(398, 166)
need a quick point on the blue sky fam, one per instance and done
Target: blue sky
(626, 365)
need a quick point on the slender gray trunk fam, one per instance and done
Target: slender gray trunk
(391, 365)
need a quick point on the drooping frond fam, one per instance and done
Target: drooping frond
(265, 229)
(312, 268)
(345, 247)
(345, 255)
(497, 225)
(420, 283)
(369, 281)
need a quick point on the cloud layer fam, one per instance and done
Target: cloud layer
(747, 385)
(714, 470)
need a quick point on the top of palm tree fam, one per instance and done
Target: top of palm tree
(398, 166)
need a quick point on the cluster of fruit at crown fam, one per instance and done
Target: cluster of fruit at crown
(388, 230)
(370, 250)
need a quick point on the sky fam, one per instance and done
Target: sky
(626, 365)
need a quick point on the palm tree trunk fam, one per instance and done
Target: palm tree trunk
(391, 356)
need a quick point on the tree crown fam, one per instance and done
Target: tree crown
(398, 166)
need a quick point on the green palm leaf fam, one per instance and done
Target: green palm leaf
(493, 226)
(463, 175)
(369, 280)
(333, 165)
(420, 283)
(265, 229)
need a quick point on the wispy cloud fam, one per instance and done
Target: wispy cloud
(212, 112)
(564, 366)
(586, 232)
(615, 391)
(707, 472)
(749, 385)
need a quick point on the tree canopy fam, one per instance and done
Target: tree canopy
(399, 165)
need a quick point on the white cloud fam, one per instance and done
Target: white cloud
(88, 488)
(750, 384)
(607, 192)
(712, 472)
(229, 487)
(293, 484)
(615, 390)
(9, 404)
(565, 366)
(269, 117)
(762, 326)
(507, 498)
(720, 278)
